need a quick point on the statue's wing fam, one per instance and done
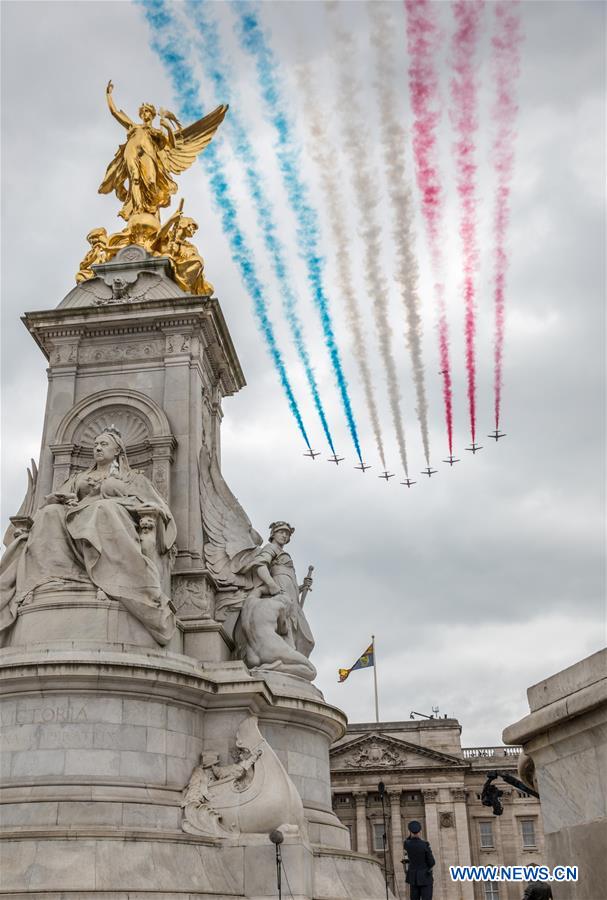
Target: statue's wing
(98, 288)
(26, 510)
(191, 141)
(230, 539)
(144, 283)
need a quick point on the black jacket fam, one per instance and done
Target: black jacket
(421, 861)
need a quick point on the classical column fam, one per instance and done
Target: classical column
(362, 843)
(397, 842)
(463, 838)
(433, 837)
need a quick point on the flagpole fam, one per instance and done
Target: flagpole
(375, 678)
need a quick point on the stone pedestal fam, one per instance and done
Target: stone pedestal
(105, 793)
(99, 744)
(565, 735)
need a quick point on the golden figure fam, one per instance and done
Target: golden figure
(140, 172)
(188, 264)
(99, 253)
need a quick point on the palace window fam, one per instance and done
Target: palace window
(378, 840)
(528, 833)
(485, 833)
(342, 799)
(491, 891)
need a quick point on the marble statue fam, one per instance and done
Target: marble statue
(256, 582)
(107, 526)
(229, 799)
(141, 170)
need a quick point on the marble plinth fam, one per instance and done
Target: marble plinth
(565, 735)
(99, 742)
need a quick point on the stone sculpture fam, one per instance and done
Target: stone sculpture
(257, 584)
(87, 532)
(229, 799)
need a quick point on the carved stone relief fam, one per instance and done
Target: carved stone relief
(220, 800)
(115, 352)
(376, 754)
(191, 597)
(446, 820)
(64, 354)
(178, 343)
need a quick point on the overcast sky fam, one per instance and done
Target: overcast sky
(478, 582)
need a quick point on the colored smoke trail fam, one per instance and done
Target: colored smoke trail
(325, 158)
(252, 40)
(423, 39)
(210, 55)
(464, 116)
(506, 50)
(393, 146)
(173, 49)
(349, 89)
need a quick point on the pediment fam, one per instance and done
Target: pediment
(378, 751)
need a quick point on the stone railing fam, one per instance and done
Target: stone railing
(490, 752)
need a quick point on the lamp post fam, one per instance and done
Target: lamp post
(381, 789)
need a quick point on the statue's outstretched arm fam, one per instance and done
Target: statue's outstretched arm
(118, 114)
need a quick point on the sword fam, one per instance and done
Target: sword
(305, 590)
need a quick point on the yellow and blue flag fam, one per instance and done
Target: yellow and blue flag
(363, 662)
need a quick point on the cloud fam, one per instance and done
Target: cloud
(477, 582)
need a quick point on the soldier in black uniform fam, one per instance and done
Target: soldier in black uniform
(420, 864)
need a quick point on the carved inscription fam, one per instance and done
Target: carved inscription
(45, 714)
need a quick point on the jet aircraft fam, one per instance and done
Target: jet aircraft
(496, 435)
(385, 475)
(312, 453)
(451, 460)
(363, 467)
(429, 472)
(407, 482)
(474, 447)
(335, 459)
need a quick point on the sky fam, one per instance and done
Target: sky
(489, 576)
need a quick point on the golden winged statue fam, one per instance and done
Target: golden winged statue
(140, 172)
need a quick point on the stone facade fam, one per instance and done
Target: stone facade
(565, 737)
(428, 776)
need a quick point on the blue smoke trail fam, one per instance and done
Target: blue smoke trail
(252, 40)
(210, 53)
(170, 45)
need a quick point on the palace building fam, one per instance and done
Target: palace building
(430, 777)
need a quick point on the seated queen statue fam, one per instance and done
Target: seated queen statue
(87, 532)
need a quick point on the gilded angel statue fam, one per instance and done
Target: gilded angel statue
(141, 170)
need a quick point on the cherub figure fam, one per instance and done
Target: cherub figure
(99, 253)
(188, 265)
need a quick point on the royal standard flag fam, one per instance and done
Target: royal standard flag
(363, 662)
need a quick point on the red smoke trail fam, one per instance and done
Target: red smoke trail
(464, 115)
(506, 49)
(423, 39)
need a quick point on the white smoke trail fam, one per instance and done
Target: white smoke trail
(349, 90)
(324, 157)
(399, 190)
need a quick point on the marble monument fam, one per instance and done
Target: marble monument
(158, 712)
